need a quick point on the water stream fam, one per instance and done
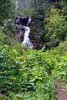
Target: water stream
(27, 42)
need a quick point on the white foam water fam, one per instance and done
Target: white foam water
(17, 4)
(26, 42)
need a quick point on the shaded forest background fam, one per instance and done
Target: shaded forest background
(30, 74)
(49, 19)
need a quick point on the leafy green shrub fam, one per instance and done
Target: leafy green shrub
(6, 39)
(24, 73)
(56, 25)
(29, 74)
(3, 38)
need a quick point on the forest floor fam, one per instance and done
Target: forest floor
(61, 92)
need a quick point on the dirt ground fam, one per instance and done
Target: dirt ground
(61, 93)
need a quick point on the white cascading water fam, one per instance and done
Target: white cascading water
(26, 42)
(17, 5)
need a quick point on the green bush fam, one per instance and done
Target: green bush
(24, 74)
(56, 26)
(29, 74)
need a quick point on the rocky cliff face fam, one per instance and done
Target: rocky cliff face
(22, 4)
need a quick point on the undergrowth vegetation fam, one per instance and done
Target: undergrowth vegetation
(29, 74)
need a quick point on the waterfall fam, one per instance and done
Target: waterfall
(26, 42)
(17, 6)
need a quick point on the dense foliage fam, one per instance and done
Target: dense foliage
(56, 23)
(6, 10)
(22, 73)
(29, 74)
